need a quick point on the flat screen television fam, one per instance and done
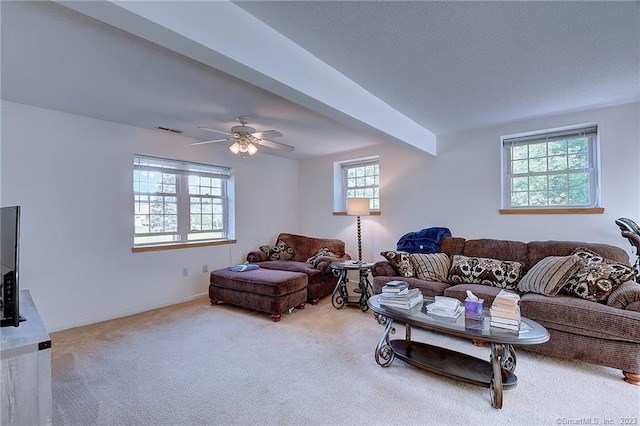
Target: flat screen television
(9, 258)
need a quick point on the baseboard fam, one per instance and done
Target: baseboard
(121, 314)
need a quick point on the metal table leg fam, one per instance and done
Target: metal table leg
(340, 294)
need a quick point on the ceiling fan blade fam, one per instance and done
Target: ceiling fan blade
(212, 141)
(267, 134)
(275, 145)
(214, 130)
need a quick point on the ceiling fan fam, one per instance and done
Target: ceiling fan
(245, 138)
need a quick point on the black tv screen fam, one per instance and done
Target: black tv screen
(9, 260)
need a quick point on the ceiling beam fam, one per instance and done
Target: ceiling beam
(225, 37)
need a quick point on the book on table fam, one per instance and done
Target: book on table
(506, 299)
(499, 311)
(399, 289)
(407, 300)
(499, 323)
(507, 321)
(395, 286)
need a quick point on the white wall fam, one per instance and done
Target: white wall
(72, 175)
(460, 188)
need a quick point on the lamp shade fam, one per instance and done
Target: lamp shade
(358, 206)
(235, 148)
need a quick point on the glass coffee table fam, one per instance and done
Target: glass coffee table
(496, 374)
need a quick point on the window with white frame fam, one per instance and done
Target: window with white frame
(551, 169)
(361, 179)
(178, 201)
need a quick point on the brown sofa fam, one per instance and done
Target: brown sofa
(604, 333)
(321, 280)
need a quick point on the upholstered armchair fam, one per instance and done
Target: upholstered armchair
(310, 255)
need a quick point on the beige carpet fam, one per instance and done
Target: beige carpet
(196, 364)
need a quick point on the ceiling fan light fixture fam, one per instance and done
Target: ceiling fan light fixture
(245, 139)
(235, 148)
(251, 148)
(242, 147)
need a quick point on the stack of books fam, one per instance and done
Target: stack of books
(404, 299)
(505, 311)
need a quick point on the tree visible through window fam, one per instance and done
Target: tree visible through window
(362, 179)
(551, 169)
(176, 201)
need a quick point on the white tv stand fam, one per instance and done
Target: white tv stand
(25, 363)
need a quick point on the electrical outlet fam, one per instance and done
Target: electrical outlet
(205, 269)
(185, 272)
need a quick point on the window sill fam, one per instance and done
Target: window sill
(173, 246)
(563, 210)
(375, 213)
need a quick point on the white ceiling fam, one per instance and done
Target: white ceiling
(427, 68)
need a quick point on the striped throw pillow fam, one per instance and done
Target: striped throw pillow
(431, 267)
(549, 275)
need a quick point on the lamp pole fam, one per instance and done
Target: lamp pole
(358, 206)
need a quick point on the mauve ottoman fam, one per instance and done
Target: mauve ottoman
(263, 290)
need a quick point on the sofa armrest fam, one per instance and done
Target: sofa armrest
(324, 263)
(627, 296)
(383, 268)
(257, 256)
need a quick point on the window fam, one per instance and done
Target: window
(358, 178)
(551, 169)
(177, 201)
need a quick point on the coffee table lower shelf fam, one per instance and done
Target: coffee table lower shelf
(449, 363)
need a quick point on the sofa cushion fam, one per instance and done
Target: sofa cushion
(482, 270)
(627, 296)
(582, 317)
(549, 275)
(322, 252)
(484, 292)
(597, 277)
(314, 275)
(452, 245)
(281, 251)
(431, 267)
(498, 249)
(538, 250)
(400, 262)
(305, 247)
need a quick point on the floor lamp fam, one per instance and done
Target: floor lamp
(358, 207)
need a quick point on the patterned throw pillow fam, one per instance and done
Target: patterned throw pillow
(322, 252)
(400, 261)
(549, 275)
(281, 251)
(481, 270)
(431, 267)
(598, 276)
